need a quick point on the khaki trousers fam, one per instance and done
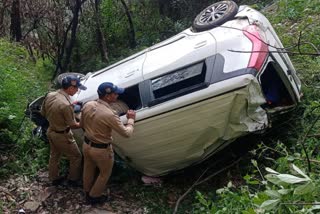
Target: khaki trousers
(63, 144)
(96, 158)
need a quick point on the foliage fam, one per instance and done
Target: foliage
(284, 190)
(21, 81)
(17, 71)
(294, 192)
(27, 156)
(231, 200)
(150, 27)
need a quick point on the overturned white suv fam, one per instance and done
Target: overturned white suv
(198, 91)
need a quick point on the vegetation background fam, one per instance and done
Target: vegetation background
(278, 173)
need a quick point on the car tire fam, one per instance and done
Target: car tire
(215, 15)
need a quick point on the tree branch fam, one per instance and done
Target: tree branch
(303, 142)
(198, 182)
(314, 135)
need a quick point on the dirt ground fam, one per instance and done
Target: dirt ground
(19, 193)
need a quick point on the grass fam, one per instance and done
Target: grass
(21, 81)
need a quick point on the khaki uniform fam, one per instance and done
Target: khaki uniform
(98, 120)
(58, 110)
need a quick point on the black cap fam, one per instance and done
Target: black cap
(71, 80)
(108, 88)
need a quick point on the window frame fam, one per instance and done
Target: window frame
(148, 98)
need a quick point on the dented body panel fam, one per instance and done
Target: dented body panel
(176, 139)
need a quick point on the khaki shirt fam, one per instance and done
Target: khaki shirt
(58, 110)
(98, 120)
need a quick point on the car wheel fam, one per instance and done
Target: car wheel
(215, 15)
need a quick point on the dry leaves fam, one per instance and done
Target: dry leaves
(19, 193)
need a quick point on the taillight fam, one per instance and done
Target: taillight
(259, 47)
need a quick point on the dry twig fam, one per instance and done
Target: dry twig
(314, 135)
(5, 190)
(301, 203)
(198, 182)
(304, 139)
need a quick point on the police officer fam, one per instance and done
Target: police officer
(98, 120)
(58, 110)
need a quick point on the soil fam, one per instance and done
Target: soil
(19, 194)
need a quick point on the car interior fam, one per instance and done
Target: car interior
(274, 89)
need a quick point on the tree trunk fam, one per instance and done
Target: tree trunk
(31, 54)
(61, 48)
(100, 36)
(74, 27)
(2, 28)
(15, 27)
(132, 37)
(163, 7)
(2, 12)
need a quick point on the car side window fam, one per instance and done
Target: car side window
(178, 83)
(131, 97)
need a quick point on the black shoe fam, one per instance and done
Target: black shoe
(97, 200)
(86, 196)
(58, 181)
(72, 183)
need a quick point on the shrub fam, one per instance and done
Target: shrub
(21, 81)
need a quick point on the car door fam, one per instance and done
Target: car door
(179, 51)
(125, 73)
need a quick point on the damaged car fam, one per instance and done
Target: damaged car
(224, 77)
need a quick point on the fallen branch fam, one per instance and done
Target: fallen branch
(304, 139)
(198, 182)
(301, 203)
(314, 135)
(181, 197)
(311, 160)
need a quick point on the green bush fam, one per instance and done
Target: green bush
(21, 81)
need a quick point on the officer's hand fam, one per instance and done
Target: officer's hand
(131, 114)
(78, 103)
(76, 109)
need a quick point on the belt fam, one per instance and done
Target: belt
(62, 132)
(96, 145)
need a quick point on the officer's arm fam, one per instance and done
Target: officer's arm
(69, 118)
(123, 130)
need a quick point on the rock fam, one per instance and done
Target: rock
(46, 193)
(98, 211)
(32, 205)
